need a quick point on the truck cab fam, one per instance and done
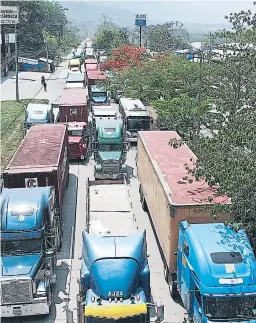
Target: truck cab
(31, 233)
(37, 114)
(216, 273)
(99, 96)
(136, 117)
(110, 148)
(75, 64)
(122, 293)
(78, 140)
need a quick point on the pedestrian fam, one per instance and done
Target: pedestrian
(43, 83)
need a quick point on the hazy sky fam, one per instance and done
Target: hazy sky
(186, 11)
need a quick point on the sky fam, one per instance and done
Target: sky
(185, 11)
(192, 11)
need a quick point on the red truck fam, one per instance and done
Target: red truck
(78, 140)
(73, 109)
(90, 61)
(42, 159)
(94, 76)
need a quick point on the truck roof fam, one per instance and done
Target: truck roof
(92, 67)
(133, 104)
(221, 253)
(38, 111)
(94, 75)
(90, 61)
(23, 202)
(75, 77)
(95, 88)
(30, 157)
(169, 165)
(125, 246)
(74, 96)
(109, 123)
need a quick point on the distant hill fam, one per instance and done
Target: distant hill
(87, 16)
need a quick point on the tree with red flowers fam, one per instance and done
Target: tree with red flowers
(126, 57)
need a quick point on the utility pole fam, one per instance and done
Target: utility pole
(16, 65)
(47, 55)
(140, 36)
(199, 93)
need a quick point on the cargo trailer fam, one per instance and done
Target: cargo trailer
(167, 197)
(42, 159)
(73, 105)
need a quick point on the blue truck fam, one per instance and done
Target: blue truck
(37, 114)
(114, 283)
(99, 96)
(31, 233)
(216, 273)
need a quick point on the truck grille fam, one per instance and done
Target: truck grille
(16, 291)
(111, 167)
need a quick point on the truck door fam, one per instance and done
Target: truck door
(184, 269)
(197, 305)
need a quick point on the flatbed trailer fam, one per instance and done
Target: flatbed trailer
(114, 281)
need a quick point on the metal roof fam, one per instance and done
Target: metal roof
(169, 165)
(74, 96)
(40, 148)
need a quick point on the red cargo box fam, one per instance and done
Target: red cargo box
(89, 61)
(73, 105)
(41, 160)
(94, 76)
(91, 67)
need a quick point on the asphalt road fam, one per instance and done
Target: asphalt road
(69, 259)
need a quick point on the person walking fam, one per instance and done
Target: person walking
(44, 83)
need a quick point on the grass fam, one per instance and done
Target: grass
(12, 120)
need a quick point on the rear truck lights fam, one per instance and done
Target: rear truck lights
(93, 299)
(138, 297)
(109, 300)
(115, 300)
(121, 299)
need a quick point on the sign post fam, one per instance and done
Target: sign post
(140, 20)
(9, 15)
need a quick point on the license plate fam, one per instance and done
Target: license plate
(17, 311)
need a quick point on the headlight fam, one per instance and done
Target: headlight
(98, 167)
(124, 166)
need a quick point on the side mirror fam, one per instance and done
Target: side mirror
(160, 313)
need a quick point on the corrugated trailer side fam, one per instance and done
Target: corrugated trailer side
(41, 160)
(168, 199)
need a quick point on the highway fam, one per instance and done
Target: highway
(69, 259)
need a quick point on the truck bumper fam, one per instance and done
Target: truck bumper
(41, 307)
(99, 175)
(132, 139)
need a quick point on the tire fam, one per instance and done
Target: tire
(166, 273)
(173, 288)
(142, 200)
(50, 298)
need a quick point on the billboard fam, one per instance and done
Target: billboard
(9, 15)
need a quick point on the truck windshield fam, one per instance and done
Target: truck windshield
(75, 133)
(110, 147)
(17, 247)
(99, 94)
(230, 307)
(137, 319)
(138, 123)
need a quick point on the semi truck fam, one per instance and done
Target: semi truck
(94, 77)
(99, 96)
(136, 117)
(203, 259)
(75, 80)
(114, 283)
(42, 159)
(75, 63)
(31, 233)
(37, 114)
(79, 141)
(73, 105)
(110, 148)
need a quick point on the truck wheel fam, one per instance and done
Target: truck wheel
(142, 200)
(50, 297)
(173, 285)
